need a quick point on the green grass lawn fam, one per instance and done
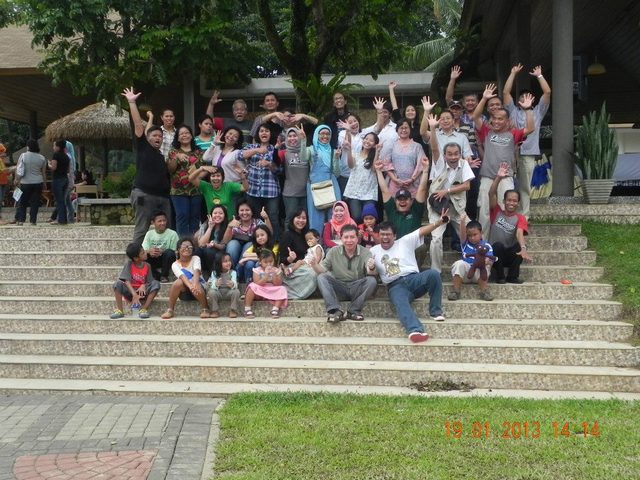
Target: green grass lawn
(324, 436)
(327, 436)
(616, 246)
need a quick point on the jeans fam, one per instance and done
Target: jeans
(406, 289)
(246, 273)
(356, 207)
(208, 257)
(187, 210)
(334, 290)
(271, 206)
(59, 187)
(236, 249)
(30, 197)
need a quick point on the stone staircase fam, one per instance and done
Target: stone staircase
(55, 292)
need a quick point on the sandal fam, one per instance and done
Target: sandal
(233, 314)
(335, 317)
(248, 313)
(167, 314)
(275, 312)
(205, 313)
(358, 317)
(214, 315)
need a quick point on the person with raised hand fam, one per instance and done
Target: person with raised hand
(500, 144)
(151, 184)
(530, 148)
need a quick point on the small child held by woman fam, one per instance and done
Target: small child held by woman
(223, 285)
(267, 284)
(262, 238)
(315, 251)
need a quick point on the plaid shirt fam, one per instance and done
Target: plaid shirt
(167, 140)
(263, 182)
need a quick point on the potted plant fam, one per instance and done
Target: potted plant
(596, 154)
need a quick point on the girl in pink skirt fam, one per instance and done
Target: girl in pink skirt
(267, 284)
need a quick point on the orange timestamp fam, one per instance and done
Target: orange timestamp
(513, 430)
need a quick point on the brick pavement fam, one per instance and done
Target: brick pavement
(104, 437)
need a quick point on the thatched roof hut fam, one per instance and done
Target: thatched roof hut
(92, 124)
(98, 124)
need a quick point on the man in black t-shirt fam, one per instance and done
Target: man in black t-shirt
(151, 185)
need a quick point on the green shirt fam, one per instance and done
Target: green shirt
(344, 268)
(223, 196)
(404, 223)
(167, 240)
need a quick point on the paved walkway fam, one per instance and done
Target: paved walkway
(105, 437)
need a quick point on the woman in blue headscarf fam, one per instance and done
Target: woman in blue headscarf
(322, 165)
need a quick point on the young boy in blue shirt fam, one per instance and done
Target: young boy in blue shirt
(471, 239)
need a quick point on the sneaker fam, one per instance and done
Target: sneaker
(143, 313)
(438, 318)
(453, 295)
(418, 337)
(485, 295)
(517, 281)
(116, 314)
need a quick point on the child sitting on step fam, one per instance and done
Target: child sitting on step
(135, 283)
(471, 239)
(222, 285)
(267, 284)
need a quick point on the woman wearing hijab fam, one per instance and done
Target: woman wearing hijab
(295, 159)
(322, 161)
(339, 218)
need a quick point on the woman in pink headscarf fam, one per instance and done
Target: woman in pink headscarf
(339, 218)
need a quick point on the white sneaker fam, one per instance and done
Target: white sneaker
(438, 318)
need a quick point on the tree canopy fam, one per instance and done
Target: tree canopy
(102, 45)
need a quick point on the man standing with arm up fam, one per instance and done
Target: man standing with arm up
(530, 148)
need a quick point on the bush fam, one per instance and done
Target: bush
(121, 186)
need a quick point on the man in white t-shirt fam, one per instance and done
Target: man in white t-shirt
(395, 262)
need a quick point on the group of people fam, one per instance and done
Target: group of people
(30, 179)
(331, 196)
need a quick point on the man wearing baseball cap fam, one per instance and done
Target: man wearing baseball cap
(403, 211)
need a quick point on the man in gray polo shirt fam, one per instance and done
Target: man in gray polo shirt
(530, 148)
(343, 275)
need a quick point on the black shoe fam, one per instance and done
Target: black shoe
(517, 281)
(501, 281)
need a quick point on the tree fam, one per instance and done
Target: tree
(345, 36)
(99, 46)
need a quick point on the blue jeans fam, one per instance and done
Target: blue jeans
(406, 289)
(236, 249)
(59, 187)
(187, 210)
(247, 273)
(272, 207)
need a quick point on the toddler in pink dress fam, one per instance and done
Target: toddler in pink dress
(267, 284)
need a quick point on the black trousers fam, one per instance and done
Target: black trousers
(507, 258)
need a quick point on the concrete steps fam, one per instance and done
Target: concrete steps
(529, 273)
(55, 292)
(520, 309)
(320, 372)
(532, 290)
(470, 328)
(450, 350)
(116, 258)
(620, 210)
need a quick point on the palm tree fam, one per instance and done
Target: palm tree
(438, 53)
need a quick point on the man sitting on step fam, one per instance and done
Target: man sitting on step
(508, 229)
(395, 261)
(342, 275)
